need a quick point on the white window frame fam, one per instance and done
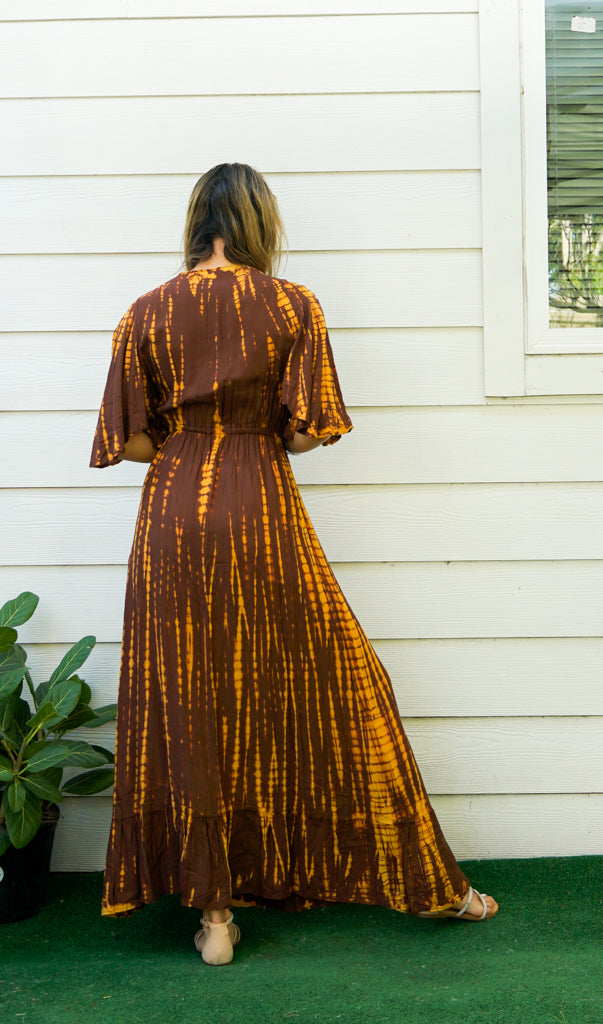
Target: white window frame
(522, 354)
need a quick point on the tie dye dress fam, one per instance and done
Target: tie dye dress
(260, 757)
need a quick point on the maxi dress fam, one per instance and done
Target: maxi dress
(260, 757)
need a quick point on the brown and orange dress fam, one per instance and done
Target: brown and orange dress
(260, 756)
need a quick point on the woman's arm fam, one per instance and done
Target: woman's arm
(303, 443)
(139, 448)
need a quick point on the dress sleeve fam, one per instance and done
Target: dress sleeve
(126, 406)
(310, 389)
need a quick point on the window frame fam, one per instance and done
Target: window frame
(522, 354)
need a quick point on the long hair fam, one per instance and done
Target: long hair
(234, 202)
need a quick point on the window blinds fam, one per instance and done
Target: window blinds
(574, 112)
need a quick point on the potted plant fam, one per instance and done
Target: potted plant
(33, 754)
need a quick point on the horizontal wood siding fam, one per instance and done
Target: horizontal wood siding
(392, 445)
(414, 288)
(160, 57)
(377, 132)
(136, 214)
(38, 10)
(464, 531)
(355, 523)
(424, 365)
(391, 599)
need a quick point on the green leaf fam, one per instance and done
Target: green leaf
(90, 782)
(4, 840)
(41, 691)
(6, 770)
(23, 824)
(45, 753)
(14, 715)
(16, 795)
(53, 774)
(80, 715)
(21, 712)
(19, 610)
(41, 786)
(65, 695)
(108, 754)
(12, 658)
(75, 657)
(11, 715)
(57, 705)
(82, 755)
(43, 717)
(86, 694)
(21, 654)
(10, 680)
(107, 713)
(7, 637)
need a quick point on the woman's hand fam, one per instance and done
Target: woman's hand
(139, 448)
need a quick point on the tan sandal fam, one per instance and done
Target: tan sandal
(463, 911)
(215, 940)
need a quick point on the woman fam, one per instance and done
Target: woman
(260, 757)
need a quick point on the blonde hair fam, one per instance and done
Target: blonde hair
(234, 202)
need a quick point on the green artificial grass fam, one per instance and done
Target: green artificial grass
(539, 960)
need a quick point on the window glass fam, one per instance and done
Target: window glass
(574, 114)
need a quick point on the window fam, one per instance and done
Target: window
(542, 182)
(574, 105)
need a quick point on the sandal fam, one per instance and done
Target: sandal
(463, 911)
(215, 940)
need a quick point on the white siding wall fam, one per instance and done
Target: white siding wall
(465, 531)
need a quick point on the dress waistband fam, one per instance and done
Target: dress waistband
(228, 429)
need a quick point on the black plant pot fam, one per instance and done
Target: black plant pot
(24, 884)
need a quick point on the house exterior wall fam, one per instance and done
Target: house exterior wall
(464, 530)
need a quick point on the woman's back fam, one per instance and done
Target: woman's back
(227, 347)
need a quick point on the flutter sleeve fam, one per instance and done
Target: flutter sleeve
(127, 405)
(310, 388)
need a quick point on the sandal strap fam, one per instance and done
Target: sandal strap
(466, 904)
(484, 904)
(206, 921)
